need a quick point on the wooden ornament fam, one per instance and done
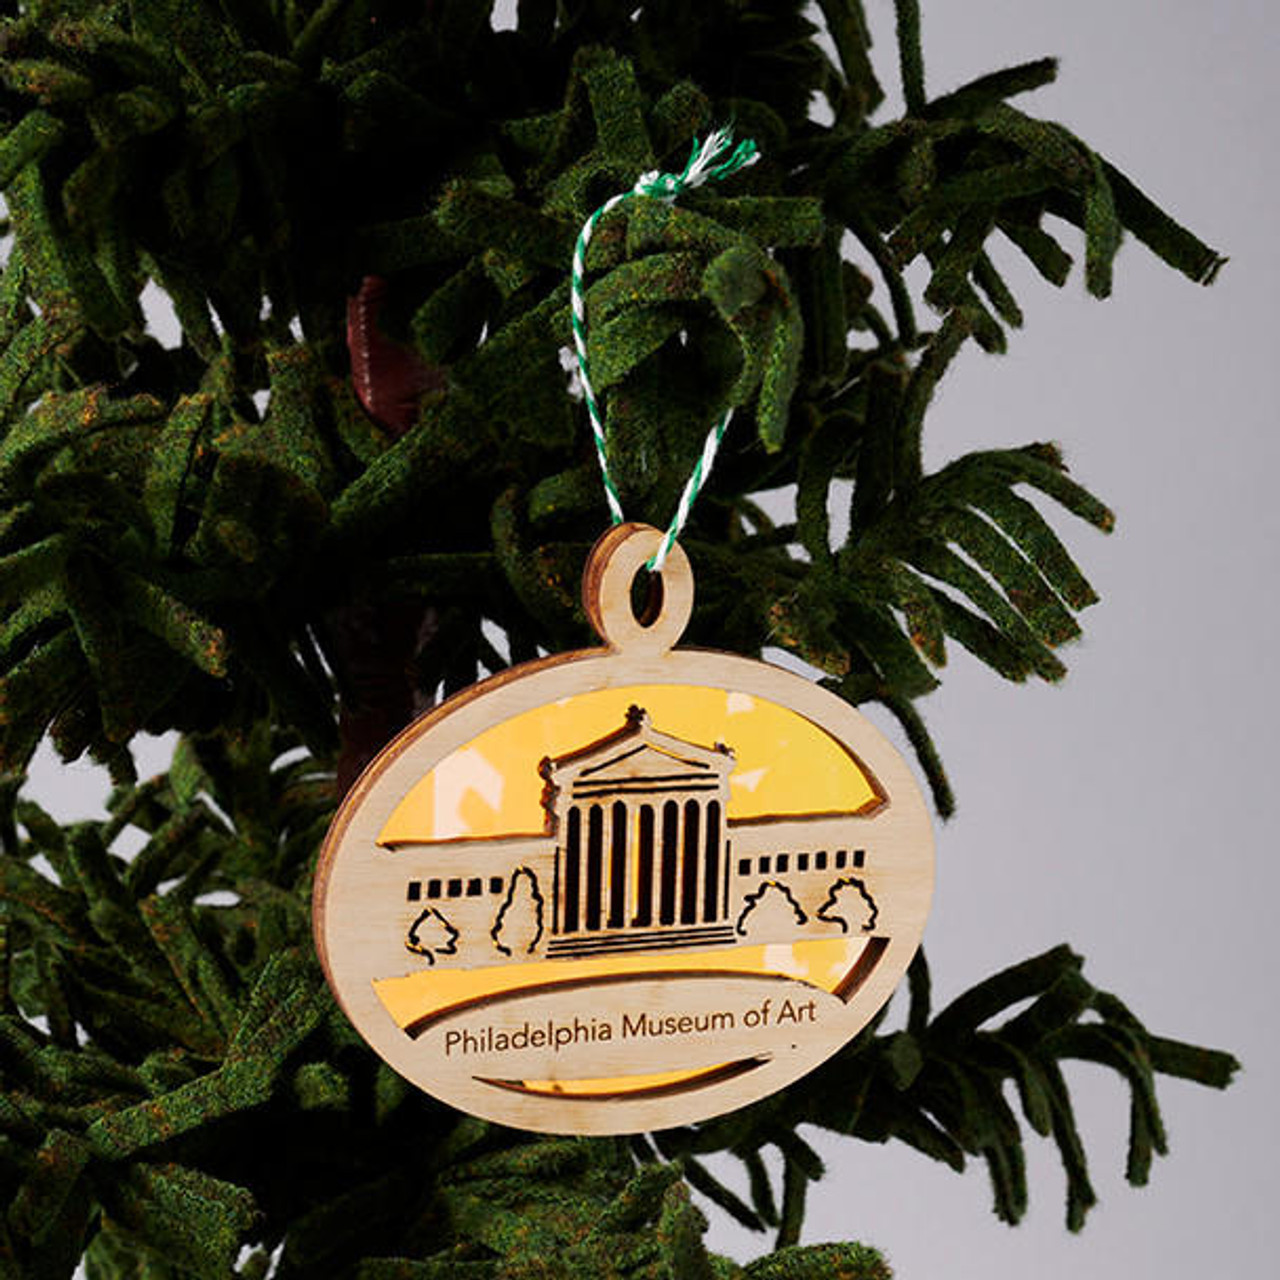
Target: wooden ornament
(624, 888)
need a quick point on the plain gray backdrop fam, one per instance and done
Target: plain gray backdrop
(1128, 811)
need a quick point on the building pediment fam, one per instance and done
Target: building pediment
(646, 762)
(638, 752)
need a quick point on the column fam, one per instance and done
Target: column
(594, 898)
(571, 886)
(711, 873)
(689, 867)
(647, 881)
(619, 859)
(669, 862)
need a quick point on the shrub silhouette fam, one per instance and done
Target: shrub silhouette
(850, 906)
(771, 911)
(432, 935)
(518, 927)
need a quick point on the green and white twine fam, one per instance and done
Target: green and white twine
(706, 162)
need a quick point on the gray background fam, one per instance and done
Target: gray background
(1127, 811)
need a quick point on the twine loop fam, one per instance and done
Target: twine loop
(713, 160)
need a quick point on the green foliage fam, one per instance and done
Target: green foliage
(184, 532)
(214, 537)
(940, 1085)
(196, 1087)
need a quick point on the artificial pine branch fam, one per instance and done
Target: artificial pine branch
(200, 538)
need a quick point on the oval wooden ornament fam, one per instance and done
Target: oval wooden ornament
(624, 888)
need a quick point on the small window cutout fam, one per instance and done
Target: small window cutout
(802, 862)
(455, 888)
(859, 857)
(744, 866)
(765, 863)
(820, 860)
(784, 861)
(495, 884)
(415, 890)
(475, 887)
(433, 888)
(841, 858)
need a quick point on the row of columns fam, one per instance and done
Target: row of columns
(628, 864)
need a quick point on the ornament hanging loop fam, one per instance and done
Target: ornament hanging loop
(618, 556)
(717, 159)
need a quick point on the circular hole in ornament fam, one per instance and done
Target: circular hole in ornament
(632, 608)
(647, 596)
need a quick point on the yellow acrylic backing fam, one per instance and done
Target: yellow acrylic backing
(624, 888)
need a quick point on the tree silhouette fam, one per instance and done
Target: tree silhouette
(771, 912)
(849, 905)
(517, 930)
(432, 935)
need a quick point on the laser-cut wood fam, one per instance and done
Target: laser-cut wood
(624, 888)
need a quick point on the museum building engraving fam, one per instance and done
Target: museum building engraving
(638, 854)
